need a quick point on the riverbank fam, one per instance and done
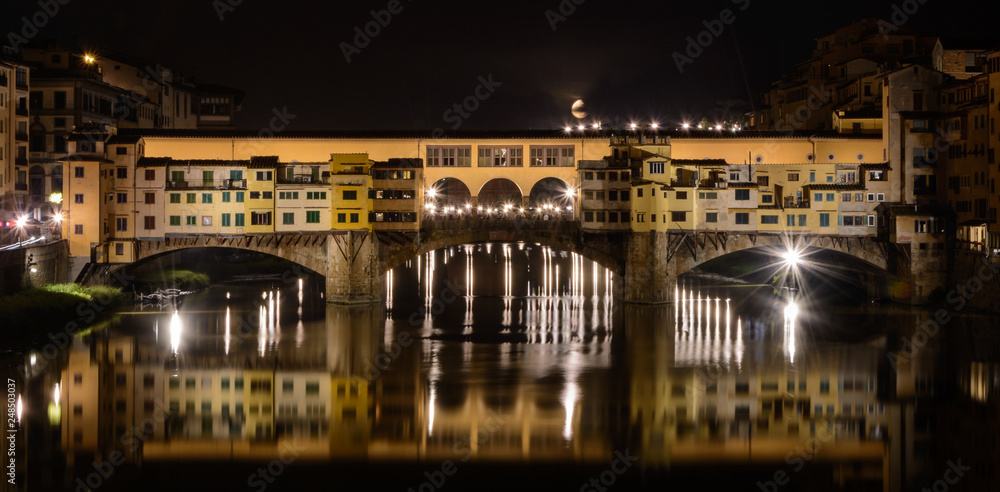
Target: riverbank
(29, 315)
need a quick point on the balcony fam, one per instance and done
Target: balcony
(218, 184)
(305, 179)
(792, 203)
(21, 111)
(21, 137)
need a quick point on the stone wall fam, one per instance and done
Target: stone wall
(33, 266)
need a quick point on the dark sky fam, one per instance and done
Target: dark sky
(615, 55)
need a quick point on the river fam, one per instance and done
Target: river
(494, 366)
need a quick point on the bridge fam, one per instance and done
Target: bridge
(355, 262)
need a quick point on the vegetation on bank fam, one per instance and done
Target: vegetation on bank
(31, 313)
(170, 279)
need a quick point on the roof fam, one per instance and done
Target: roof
(836, 186)
(398, 163)
(152, 162)
(263, 162)
(123, 139)
(768, 134)
(87, 158)
(166, 161)
(742, 184)
(367, 134)
(884, 166)
(699, 162)
(909, 210)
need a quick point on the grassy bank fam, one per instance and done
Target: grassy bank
(32, 313)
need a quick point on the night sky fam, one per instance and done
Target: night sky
(615, 55)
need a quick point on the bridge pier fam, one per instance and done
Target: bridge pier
(352, 269)
(650, 277)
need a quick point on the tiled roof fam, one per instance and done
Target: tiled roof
(699, 162)
(123, 139)
(370, 134)
(876, 167)
(836, 186)
(152, 162)
(263, 162)
(399, 162)
(738, 184)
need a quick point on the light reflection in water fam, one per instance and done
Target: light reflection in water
(176, 328)
(791, 313)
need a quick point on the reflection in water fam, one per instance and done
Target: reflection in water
(512, 353)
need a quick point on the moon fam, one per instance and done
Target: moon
(579, 112)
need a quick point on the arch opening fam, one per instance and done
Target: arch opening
(500, 193)
(551, 191)
(448, 192)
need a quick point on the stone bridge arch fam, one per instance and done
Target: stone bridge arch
(604, 249)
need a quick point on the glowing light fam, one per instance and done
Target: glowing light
(88, 58)
(175, 331)
(686, 125)
(56, 393)
(792, 257)
(654, 126)
(22, 221)
(792, 310)
(570, 193)
(718, 127)
(569, 129)
(581, 127)
(597, 125)
(431, 192)
(33, 358)
(56, 198)
(20, 408)
(632, 126)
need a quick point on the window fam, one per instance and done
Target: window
(802, 220)
(708, 195)
(656, 167)
(239, 196)
(824, 220)
(767, 199)
(121, 197)
(742, 218)
(678, 216)
(831, 197)
(121, 172)
(762, 181)
(288, 218)
(552, 156)
(871, 221)
(175, 220)
(240, 220)
(880, 197)
(191, 220)
(588, 216)
(501, 157)
(78, 229)
(265, 175)
(121, 224)
(226, 220)
(192, 198)
(789, 220)
(318, 195)
(845, 197)
(355, 218)
(350, 195)
(449, 156)
(226, 195)
(734, 176)
(871, 197)
(342, 218)
(312, 388)
(150, 174)
(742, 194)
(175, 198)
(267, 195)
(812, 176)
(312, 217)
(78, 198)
(682, 195)
(638, 192)
(768, 219)
(817, 197)
(149, 222)
(206, 198)
(793, 176)
(119, 249)
(255, 195)
(876, 176)
(712, 217)
(260, 218)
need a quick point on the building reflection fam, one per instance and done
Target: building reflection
(701, 382)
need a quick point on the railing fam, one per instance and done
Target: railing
(796, 204)
(305, 179)
(218, 184)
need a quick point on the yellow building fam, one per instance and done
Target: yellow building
(350, 182)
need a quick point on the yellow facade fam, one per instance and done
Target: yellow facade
(350, 201)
